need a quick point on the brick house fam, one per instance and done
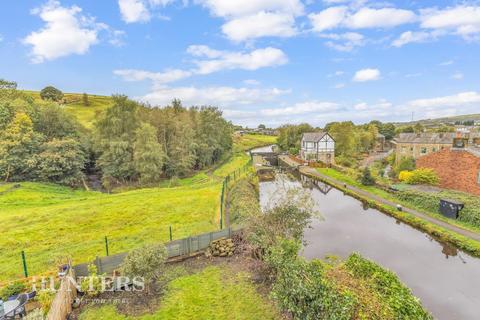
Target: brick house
(457, 168)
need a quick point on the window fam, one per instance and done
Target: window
(434, 149)
(478, 178)
(423, 150)
(411, 149)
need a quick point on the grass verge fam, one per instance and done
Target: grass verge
(213, 293)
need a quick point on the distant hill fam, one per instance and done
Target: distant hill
(444, 120)
(74, 105)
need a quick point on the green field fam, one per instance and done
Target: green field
(213, 293)
(52, 222)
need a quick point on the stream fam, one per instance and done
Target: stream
(446, 280)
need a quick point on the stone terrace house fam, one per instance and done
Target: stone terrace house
(317, 146)
(419, 144)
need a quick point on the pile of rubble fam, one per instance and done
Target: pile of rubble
(222, 247)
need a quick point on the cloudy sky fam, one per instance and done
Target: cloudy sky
(261, 61)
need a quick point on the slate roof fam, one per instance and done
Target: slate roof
(313, 136)
(426, 138)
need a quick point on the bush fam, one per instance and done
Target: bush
(147, 262)
(423, 176)
(45, 298)
(405, 164)
(11, 290)
(404, 175)
(344, 161)
(397, 297)
(51, 93)
(367, 178)
(91, 285)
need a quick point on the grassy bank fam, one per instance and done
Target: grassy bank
(425, 202)
(462, 242)
(213, 293)
(51, 222)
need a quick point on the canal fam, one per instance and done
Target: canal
(446, 280)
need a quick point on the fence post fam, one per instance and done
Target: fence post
(221, 205)
(171, 233)
(106, 245)
(25, 271)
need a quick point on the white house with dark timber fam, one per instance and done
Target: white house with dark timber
(317, 146)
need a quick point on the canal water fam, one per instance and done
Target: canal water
(446, 280)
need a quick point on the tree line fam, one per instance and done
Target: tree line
(130, 142)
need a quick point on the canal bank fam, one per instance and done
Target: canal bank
(444, 278)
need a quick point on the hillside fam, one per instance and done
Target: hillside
(437, 121)
(52, 222)
(74, 105)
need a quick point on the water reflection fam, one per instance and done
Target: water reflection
(443, 277)
(311, 183)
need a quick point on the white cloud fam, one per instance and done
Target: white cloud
(133, 11)
(1, 38)
(366, 75)
(339, 86)
(457, 100)
(261, 24)
(215, 60)
(328, 19)
(65, 32)
(344, 17)
(247, 20)
(236, 8)
(412, 36)
(457, 76)
(301, 108)
(344, 41)
(157, 77)
(219, 96)
(462, 20)
(380, 18)
(446, 63)
(226, 60)
(139, 10)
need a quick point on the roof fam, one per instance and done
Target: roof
(313, 136)
(433, 138)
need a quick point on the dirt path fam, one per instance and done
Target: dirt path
(464, 232)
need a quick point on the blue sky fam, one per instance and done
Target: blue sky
(263, 61)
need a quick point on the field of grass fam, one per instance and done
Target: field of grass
(213, 293)
(52, 222)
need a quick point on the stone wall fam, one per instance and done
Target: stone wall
(457, 169)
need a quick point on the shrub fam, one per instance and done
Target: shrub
(423, 176)
(367, 178)
(45, 298)
(12, 289)
(405, 164)
(91, 285)
(147, 262)
(404, 175)
(35, 314)
(344, 161)
(51, 93)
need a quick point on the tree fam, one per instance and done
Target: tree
(345, 137)
(367, 178)
(148, 154)
(19, 145)
(61, 161)
(388, 130)
(290, 136)
(85, 100)
(54, 122)
(51, 93)
(262, 126)
(114, 136)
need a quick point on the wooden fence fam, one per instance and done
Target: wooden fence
(176, 248)
(62, 302)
